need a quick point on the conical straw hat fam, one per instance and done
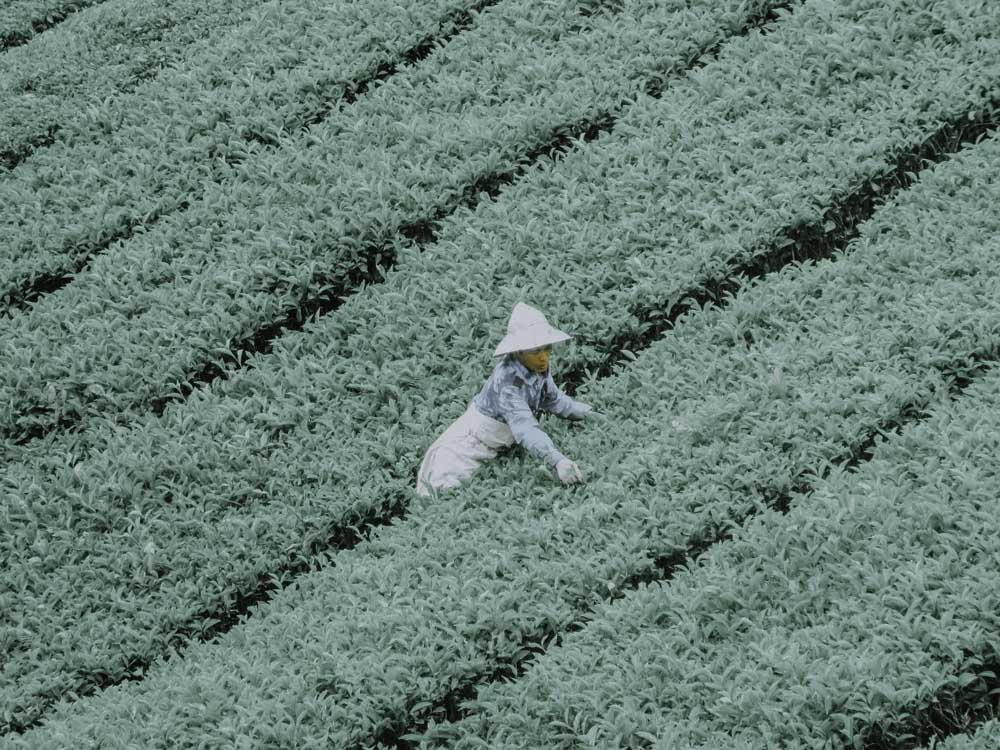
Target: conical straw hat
(528, 329)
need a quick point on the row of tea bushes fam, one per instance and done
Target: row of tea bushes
(702, 429)
(20, 20)
(96, 54)
(184, 512)
(857, 609)
(151, 312)
(131, 158)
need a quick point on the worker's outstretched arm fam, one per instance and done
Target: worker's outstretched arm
(556, 402)
(525, 427)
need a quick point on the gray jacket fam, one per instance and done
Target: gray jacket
(514, 395)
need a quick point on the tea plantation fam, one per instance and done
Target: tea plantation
(255, 256)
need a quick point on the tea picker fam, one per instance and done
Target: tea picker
(504, 412)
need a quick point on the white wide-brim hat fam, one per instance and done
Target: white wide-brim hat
(528, 329)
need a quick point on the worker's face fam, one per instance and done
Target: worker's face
(536, 360)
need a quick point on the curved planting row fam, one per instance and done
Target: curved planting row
(702, 431)
(126, 161)
(848, 616)
(149, 313)
(323, 211)
(181, 514)
(20, 20)
(97, 54)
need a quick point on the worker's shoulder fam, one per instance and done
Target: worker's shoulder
(508, 376)
(511, 372)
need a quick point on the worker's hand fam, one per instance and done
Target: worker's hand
(568, 472)
(587, 412)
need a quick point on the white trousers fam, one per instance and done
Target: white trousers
(458, 452)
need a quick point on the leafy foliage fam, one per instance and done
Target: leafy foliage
(368, 644)
(93, 56)
(204, 483)
(20, 19)
(126, 160)
(323, 208)
(873, 595)
(985, 737)
(119, 535)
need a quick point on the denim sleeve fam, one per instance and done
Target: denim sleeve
(525, 427)
(556, 402)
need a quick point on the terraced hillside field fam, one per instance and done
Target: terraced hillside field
(255, 256)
